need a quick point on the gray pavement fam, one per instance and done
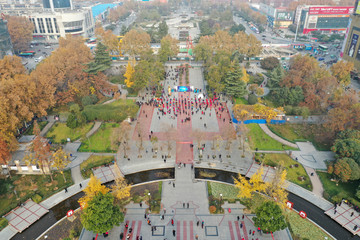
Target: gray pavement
(310, 157)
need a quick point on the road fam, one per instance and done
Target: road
(270, 36)
(127, 22)
(41, 51)
(318, 216)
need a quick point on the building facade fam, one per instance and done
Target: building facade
(5, 40)
(278, 17)
(50, 26)
(326, 19)
(351, 50)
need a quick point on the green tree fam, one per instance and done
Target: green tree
(101, 215)
(102, 60)
(286, 96)
(203, 51)
(269, 217)
(162, 30)
(347, 148)
(236, 28)
(168, 48)
(234, 86)
(276, 76)
(269, 63)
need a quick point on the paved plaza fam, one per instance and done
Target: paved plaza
(23, 216)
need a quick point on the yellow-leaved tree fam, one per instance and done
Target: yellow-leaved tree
(130, 69)
(276, 187)
(94, 187)
(121, 189)
(60, 159)
(244, 187)
(257, 182)
(245, 77)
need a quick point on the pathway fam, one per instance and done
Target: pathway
(94, 129)
(276, 137)
(315, 181)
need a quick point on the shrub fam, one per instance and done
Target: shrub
(74, 233)
(3, 222)
(71, 121)
(36, 198)
(89, 100)
(252, 99)
(212, 209)
(288, 110)
(117, 111)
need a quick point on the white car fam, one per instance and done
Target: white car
(47, 47)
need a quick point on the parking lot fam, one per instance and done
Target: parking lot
(42, 52)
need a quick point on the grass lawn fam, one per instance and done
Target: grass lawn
(258, 139)
(241, 101)
(27, 186)
(30, 130)
(335, 193)
(93, 161)
(229, 192)
(119, 79)
(302, 228)
(314, 133)
(293, 173)
(101, 140)
(60, 132)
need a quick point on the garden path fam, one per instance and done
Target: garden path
(276, 137)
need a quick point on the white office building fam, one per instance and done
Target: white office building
(50, 26)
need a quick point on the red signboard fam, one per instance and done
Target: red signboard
(70, 213)
(302, 214)
(330, 10)
(289, 204)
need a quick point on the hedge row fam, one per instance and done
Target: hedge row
(110, 112)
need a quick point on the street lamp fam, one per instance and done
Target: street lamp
(149, 201)
(220, 200)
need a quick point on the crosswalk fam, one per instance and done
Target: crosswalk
(185, 230)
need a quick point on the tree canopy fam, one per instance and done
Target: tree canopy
(101, 215)
(102, 60)
(20, 30)
(269, 217)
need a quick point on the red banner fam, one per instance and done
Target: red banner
(330, 10)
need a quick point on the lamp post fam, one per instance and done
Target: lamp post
(220, 200)
(149, 201)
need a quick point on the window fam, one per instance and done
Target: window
(33, 21)
(41, 25)
(49, 25)
(56, 26)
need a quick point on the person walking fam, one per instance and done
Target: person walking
(172, 222)
(202, 224)
(197, 223)
(80, 185)
(174, 233)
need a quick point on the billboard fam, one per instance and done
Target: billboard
(285, 16)
(354, 40)
(330, 10)
(357, 7)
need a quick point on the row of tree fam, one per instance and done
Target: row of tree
(70, 74)
(308, 84)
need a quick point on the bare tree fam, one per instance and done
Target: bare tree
(121, 136)
(140, 140)
(170, 136)
(199, 138)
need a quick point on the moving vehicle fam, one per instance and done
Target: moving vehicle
(321, 59)
(27, 54)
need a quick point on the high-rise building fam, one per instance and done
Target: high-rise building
(351, 50)
(57, 4)
(5, 40)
